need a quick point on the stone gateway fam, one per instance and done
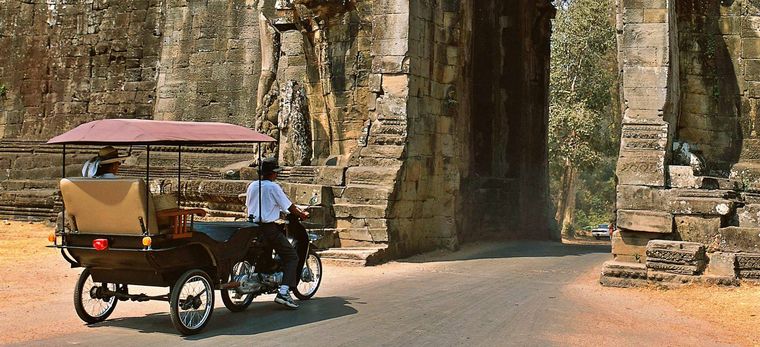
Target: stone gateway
(413, 124)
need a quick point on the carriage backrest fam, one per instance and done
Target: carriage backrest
(108, 205)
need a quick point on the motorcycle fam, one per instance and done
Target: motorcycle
(261, 271)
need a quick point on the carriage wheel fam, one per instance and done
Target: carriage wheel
(311, 277)
(191, 302)
(230, 300)
(90, 301)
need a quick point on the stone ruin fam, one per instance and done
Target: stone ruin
(413, 124)
(688, 202)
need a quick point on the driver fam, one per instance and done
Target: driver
(275, 201)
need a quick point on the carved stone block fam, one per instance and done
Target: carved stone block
(642, 137)
(645, 168)
(749, 274)
(679, 269)
(678, 257)
(623, 274)
(748, 261)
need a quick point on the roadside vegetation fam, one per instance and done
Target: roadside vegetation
(584, 120)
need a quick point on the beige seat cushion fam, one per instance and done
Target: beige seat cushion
(108, 206)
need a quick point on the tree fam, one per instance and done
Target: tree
(584, 116)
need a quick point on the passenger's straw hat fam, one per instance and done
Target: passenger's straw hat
(108, 155)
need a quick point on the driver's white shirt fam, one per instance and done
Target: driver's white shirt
(275, 201)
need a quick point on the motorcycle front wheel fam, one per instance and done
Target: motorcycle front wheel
(231, 302)
(191, 302)
(311, 277)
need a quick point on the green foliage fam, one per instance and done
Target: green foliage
(3, 90)
(584, 122)
(595, 203)
(573, 133)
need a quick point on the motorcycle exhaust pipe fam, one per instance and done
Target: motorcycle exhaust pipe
(231, 285)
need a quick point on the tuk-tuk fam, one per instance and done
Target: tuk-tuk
(119, 235)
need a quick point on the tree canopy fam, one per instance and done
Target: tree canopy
(584, 109)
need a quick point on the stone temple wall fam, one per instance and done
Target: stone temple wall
(689, 78)
(415, 124)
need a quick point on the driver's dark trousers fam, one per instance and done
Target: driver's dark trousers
(273, 237)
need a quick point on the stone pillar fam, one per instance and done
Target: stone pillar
(648, 50)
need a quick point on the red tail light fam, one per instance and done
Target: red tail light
(100, 244)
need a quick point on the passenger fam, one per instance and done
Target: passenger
(275, 201)
(108, 162)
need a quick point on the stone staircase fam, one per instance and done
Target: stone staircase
(31, 199)
(354, 256)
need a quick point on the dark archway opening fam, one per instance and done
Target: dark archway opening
(505, 185)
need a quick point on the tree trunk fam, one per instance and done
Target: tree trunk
(566, 203)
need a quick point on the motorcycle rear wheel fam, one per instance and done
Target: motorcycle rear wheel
(230, 302)
(305, 290)
(88, 305)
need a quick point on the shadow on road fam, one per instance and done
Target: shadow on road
(509, 249)
(260, 317)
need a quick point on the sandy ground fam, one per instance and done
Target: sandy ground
(37, 286)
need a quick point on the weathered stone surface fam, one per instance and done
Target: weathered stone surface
(645, 221)
(721, 264)
(691, 247)
(371, 235)
(737, 239)
(749, 215)
(630, 197)
(698, 229)
(359, 211)
(371, 176)
(683, 177)
(670, 280)
(631, 246)
(700, 206)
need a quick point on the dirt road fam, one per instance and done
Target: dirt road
(523, 294)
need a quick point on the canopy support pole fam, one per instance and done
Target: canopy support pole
(147, 190)
(261, 219)
(63, 205)
(179, 173)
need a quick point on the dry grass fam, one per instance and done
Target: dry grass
(737, 309)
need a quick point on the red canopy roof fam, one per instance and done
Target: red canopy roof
(139, 131)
